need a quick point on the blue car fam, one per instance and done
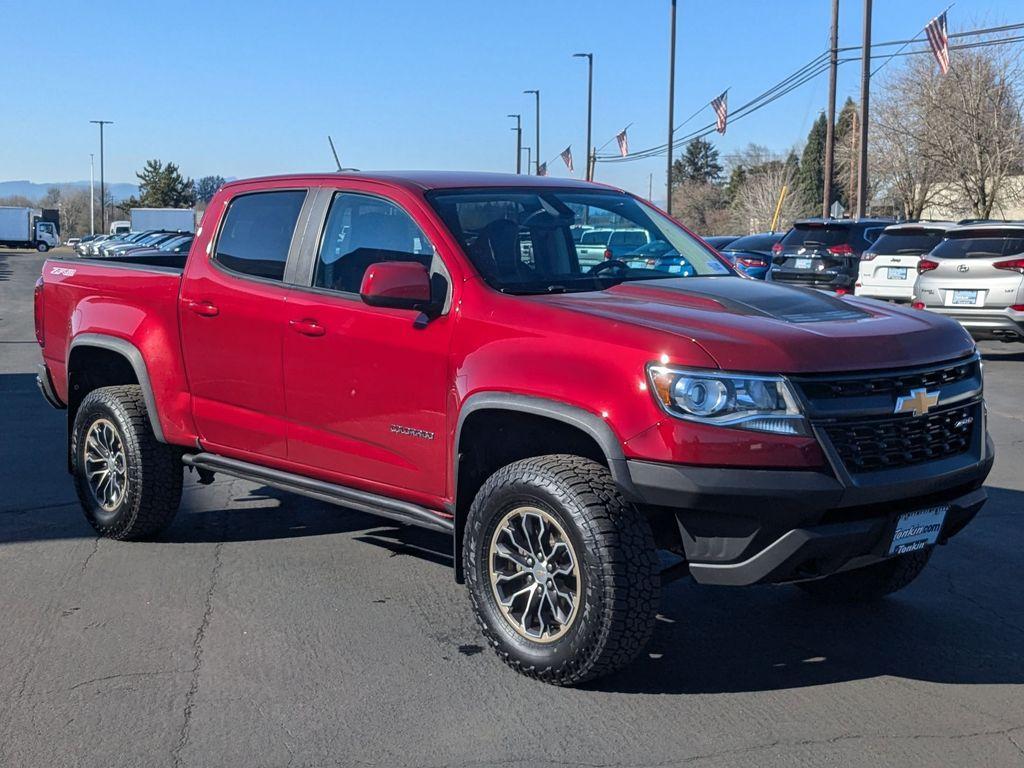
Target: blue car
(752, 255)
(661, 256)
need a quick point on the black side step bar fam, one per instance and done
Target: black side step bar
(363, 501)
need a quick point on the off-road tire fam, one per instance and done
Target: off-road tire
(618, 597)
(154, 469)
(872, 582)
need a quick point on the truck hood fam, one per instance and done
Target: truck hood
(764, 327)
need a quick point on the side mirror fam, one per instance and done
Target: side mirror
(396, 284)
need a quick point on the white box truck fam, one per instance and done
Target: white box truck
(25, 228)
(166, 219)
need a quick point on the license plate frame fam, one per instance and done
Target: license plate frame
(897, 273)
(964, 298)
(918, 529)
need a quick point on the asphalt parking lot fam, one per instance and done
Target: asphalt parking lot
(270, 630)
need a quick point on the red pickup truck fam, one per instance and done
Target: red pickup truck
(427, 347)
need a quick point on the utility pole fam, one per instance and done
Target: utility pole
(671, 99)
(830, 130)
(103, 198)
(865, 92)
(536, 144)
(590, 105)
(519, 143)
(92, 195)
(528, 161)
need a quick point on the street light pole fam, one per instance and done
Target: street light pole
(103, 198)
(536, 143)
(519, 143)
(527, 159)
(92, 195)
(865, 92)
(671, 99)
(590, 106)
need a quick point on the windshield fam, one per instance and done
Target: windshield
(982, 247)
(520, 240)
(907, 241)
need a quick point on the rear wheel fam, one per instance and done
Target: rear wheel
(870, 583)
(128, 482)
(562, 571)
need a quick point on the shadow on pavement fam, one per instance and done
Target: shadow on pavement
(962, 622)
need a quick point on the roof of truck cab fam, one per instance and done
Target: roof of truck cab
(427, 180)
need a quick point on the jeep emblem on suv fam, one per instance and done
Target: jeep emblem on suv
(918, 402)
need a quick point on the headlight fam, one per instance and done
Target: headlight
(760, 403)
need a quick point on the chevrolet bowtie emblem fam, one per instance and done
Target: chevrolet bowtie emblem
(918, 402)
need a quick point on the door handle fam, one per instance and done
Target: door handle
(203, 308)
(307, 327)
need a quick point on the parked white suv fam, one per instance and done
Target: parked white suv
(976, 275)
(888, 268)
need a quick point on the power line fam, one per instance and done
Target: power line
(809, 71)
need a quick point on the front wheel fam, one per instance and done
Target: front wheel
(42, 247)
(872, 582)
(562, 571)
(128, 482)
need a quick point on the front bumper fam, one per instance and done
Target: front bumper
(743, 526)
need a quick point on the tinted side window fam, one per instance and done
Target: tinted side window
(363, 230)
(257, 233)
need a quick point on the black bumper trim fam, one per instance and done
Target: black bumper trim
(45, 385)
(805, 553)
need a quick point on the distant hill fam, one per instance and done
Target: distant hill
(34, 191)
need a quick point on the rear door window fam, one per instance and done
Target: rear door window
(986, 245)
(257, 233)
(815, 236)
(907, 242)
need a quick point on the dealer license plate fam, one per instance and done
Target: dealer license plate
(897, 273)
(802, 264)
(965, 297)
(917, 530)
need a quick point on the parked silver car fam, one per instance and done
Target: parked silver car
(976, 275)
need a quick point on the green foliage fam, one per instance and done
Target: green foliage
(810, 179)
(207, 187)
(162, 186)
(699, 163)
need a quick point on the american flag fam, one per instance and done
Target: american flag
(938, 39)
(623, 142)
(567, 157)
(721, 107)
(542, 170)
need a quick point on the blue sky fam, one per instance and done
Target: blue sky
(245, 89)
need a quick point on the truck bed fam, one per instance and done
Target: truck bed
(136, 302)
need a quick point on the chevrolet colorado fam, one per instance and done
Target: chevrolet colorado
(384, 341)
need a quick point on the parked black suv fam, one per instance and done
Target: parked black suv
(824, 253)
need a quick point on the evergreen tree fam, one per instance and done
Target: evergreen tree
(207, 187)
(810, 179)
(699, 163)
(162, 186)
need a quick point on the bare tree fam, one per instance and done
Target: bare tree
(760, 185)
(973, 131)
(701, 206)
